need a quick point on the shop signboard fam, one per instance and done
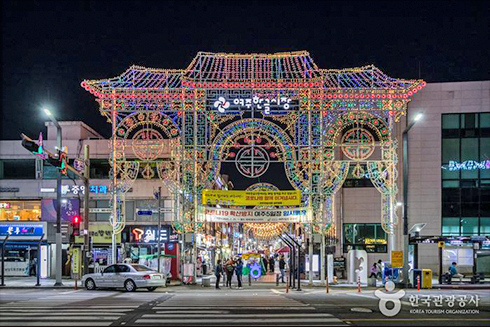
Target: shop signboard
(69, 208)
(23, 230)
(101, 233)
(251, 198)
(148, 234)
(210, 214)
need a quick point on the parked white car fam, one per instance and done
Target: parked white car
(127, 276)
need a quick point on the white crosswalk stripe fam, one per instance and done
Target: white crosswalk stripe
(23, 315)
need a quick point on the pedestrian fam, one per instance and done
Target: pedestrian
(374, 271)
(282, 267)
(277, 271)
(217, 272)
(230, 269)
(272, 264)
(380, 269)
(239, 272)
(266, 263)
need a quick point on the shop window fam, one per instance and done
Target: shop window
(17, 169)
(369, 237)
(99, 168)
(20, 210)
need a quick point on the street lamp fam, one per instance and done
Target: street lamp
(58, 202)
(405, 196)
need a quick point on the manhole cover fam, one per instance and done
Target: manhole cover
(365, 310)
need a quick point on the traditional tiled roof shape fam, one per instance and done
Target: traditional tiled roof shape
(278, 70)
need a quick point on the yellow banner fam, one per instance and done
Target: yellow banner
(75, 261)
(100, 233)
(397, 259)
(251, 198)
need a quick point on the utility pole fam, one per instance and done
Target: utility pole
(159, 226)
(86, 234)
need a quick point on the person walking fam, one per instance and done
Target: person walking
(266, 264)
(272, 264)
(239, 272)
(230, 269)
(217, 272)
(277, 271)
(282, 267)
(374, 271)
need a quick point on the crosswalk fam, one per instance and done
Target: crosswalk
(178, 309)
(226, 315)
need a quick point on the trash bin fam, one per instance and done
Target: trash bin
(416, 273)
(426, 278)
(206, 282)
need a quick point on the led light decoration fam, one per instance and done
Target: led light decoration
(255, 112)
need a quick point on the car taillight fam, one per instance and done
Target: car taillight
(146, 277)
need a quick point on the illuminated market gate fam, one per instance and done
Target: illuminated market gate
(263, 115)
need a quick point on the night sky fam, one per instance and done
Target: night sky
(49, 47)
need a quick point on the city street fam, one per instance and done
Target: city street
(191, 305)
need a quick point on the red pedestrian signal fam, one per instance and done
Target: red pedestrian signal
(76, 225)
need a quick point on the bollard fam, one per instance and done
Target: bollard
(76, 283)
(359, 284)
(287, 284)
(418, 283)
(326, 286)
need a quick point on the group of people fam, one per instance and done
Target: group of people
(229, 268)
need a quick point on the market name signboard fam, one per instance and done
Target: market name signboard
(209, 214)
(251, 198)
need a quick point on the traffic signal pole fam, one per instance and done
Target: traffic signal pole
(58, 213)
(86, 236)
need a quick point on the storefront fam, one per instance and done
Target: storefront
(100, 243)
(20, 210)
(140, 245)
(25, 248)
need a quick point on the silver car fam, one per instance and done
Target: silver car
(127, 276)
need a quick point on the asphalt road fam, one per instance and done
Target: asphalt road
(258, 306)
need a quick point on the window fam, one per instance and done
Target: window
(369, 237)
(17, 169)
(466, 186)
(352, 181)
(122, 269)
(99, 168)
(110, 269)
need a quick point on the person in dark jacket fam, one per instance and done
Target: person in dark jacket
(230, 269)
(239, 272)
(217, 272)
(271, 264)
(282, 267)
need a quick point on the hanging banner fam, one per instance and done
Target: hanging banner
(209, 214)
(251, 198)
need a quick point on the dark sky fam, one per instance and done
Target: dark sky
(49, 47)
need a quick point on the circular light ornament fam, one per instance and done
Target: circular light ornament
(358, 144)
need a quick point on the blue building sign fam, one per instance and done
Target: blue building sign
(22, 231)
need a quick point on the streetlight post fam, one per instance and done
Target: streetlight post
(405, 197)
(58, 203)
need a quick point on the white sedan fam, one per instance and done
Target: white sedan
(127, 276)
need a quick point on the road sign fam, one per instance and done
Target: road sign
(441, 244)
(145, 212)
(396, 259)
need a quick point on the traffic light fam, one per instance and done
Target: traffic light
(58, 162)
(30, 145)
(76, 225)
